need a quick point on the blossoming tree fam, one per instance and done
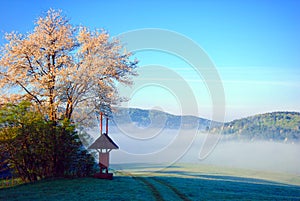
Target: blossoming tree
(68, 72)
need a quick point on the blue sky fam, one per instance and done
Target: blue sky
(255, 45)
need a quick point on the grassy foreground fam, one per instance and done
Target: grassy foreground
(175, 183)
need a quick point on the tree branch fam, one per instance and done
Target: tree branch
(27, 91)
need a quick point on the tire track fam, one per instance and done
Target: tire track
(175, 190)
(158, 195)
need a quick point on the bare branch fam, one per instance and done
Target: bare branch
(28, 92)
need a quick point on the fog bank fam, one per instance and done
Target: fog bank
(255, 155)
(152, 146)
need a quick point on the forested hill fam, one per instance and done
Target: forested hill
(279, 126)
(156, 118)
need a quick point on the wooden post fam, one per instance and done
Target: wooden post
(101, 123)
(106, 126)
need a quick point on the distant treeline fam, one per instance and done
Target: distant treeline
(278, 126)
(156, 118)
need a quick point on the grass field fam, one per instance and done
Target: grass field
(178, 182)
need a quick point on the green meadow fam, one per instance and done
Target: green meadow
(177, 182)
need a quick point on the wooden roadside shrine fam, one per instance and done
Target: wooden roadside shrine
(104, 144)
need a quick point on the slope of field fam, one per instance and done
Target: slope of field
(179, 182)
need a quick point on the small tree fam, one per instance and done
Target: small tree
(68, 72)
(32, 150)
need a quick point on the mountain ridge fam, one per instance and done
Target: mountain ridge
(146, 118)
(279, 125)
